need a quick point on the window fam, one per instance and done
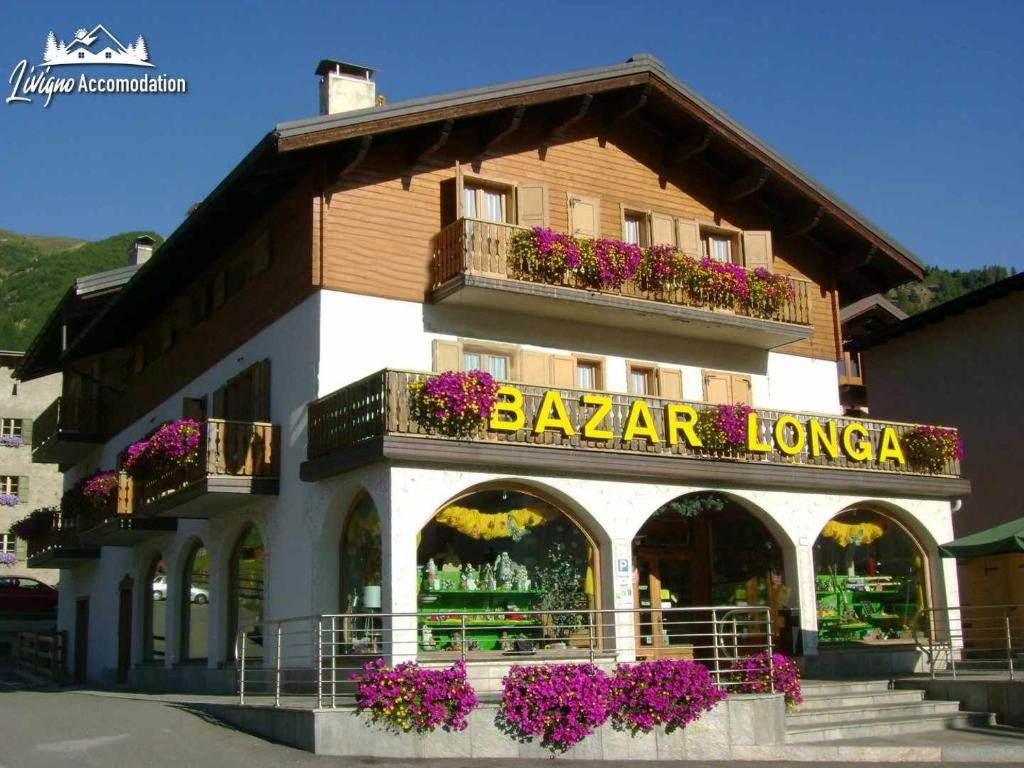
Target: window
(8, 542)
(719, 246)
(727, 388)
(81, 54)
(498, 365)
(107, 54)
(11, 427)
(634, 228)
(487, 203)
(9, 485)
(641, 380)
(587, 374)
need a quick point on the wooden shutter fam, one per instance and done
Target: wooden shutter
(532, 204)
(663, 229)
(670, 383)
(717, 388)
(688, 237)
(741, 391)
(563, 371)
(23, 489)
(447, 356)
(534, 367)
(26, 431)
(220, 396)
(261, 391)
(757, 250)
(584, 216)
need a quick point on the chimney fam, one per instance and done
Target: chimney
(345, 87)
(140, 250)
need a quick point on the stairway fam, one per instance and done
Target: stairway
(834, 710)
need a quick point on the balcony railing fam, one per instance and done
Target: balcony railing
(850, 372)
(235, 458)
(379, 406)
(56, 543)
(66, 430)
(113, 522)
(484, 248)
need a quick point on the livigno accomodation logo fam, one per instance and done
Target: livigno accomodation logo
(97, 47)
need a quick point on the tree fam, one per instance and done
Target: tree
(140, 49)
(50, 52)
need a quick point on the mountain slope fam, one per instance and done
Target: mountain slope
(35, 272)
(941, 285)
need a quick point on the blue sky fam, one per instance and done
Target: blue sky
(911, 111)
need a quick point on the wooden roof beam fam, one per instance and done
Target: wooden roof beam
(351, 158)
(503, 129)
(803, 222)
(689, 147)
(623, 109)
(563, 125)
(747, 186)
(423, 150)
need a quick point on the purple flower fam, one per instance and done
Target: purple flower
(176, 442)
(8, 558)
(723, 427)
(8, 500)
(409, 698)
(11, 441)
(100, 485)
(756, 675)
(667, 692)
(931, 448)
(453, 404)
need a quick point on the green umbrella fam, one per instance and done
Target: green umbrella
(1005, 539)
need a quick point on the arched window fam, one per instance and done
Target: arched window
(245, 602)
(154, 639)
(360, 558)
(497, 555)
(195, 604)
(870, 579)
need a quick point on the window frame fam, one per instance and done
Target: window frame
(651, 371)
(643, 219)
(481, 184)
(8, 542)
(490, 350)
(598, 364)
(13, 426)
(9, 485)
(732, 234)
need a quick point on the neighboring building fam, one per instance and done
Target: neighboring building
(960, 363)
(32, 485)
(296, 311)
(859, 319)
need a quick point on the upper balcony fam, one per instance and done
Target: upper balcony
(66, 431)
(54, 541)
(235, 460)
(475, 264)
(611, 434)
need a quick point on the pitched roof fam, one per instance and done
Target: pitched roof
(872, 259)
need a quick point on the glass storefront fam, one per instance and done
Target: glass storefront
(247, 573)
(500, 555)
(870, 578)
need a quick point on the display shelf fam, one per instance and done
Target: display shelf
(483, 633)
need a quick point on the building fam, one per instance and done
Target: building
(23, 484)
(861, 318)
(957, 363)
(290, 323)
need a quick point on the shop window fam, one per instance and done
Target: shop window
(195, 605)
(497, 555)
(361, 578)
(154, 637)
(870, 578)
(245, 602)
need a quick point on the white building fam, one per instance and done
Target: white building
(290, 312)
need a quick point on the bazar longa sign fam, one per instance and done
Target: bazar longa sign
(677, 424)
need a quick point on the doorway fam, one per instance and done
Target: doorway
(79, 672)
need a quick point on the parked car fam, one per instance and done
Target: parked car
(199, 596)
(24, 595)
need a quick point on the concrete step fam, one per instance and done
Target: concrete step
(815, 701)
(888, 711)
(897, 726)
(842, 687)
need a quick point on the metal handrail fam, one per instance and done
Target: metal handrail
(311, 659)
(971, 639)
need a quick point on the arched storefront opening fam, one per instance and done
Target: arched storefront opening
(871, 579)
(195, 604)
(154, 639)
(245, 597)
(360, 560)
(498, 554)
(701, 549)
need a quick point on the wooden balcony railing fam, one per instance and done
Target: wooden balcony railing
(379, 405)
(77, 417)
(484, 248)
(120, 503)
(226, 448)
(850, 371)
(55, 530)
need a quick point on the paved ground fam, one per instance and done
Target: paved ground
(84, 728)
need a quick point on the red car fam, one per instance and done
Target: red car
(23, 595)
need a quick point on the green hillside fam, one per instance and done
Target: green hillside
(35, 271)
(941, 285)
